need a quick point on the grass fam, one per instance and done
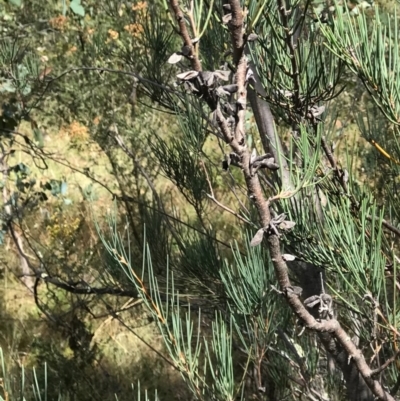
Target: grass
(29, 339)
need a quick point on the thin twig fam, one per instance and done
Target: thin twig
(222, 206)
(389, 226)
(386, 364)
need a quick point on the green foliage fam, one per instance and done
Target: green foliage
(362, 46)
(77, 8)
(149, 134)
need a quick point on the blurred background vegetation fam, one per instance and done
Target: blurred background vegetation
(67, 86)
(69, 173)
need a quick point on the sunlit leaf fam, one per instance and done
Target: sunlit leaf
(185, 76)
(77, 8)
(221, 74)
(37, 134)
(17, 3)
(64, 188)
(7, 86)
(252, 37)
(258, 237)
(175, 58)
(287, 225)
